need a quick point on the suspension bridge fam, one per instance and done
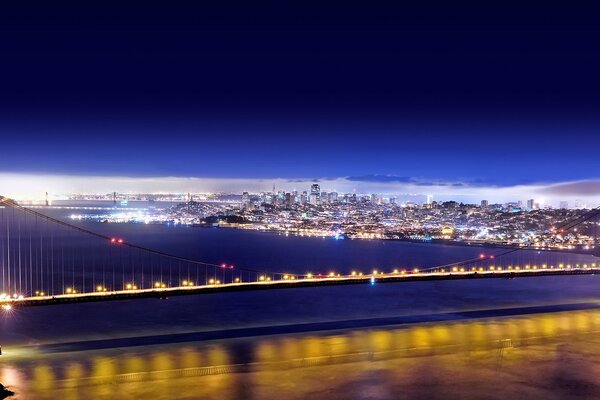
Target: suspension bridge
(46, 261)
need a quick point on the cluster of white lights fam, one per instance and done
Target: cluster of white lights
(4, 296)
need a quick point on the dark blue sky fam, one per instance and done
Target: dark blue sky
(492, 95)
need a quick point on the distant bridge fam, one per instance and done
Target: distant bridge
(45, 261)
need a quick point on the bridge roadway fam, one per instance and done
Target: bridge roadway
(163, 293)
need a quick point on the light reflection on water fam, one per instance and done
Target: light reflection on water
(303, 365)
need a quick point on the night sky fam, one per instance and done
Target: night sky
(488, 96)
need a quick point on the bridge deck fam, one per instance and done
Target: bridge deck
(283, 284)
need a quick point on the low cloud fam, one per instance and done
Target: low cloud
(581, 188)
(381, 178)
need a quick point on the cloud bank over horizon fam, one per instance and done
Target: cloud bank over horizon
(34, 186)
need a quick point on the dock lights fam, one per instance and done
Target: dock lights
(309, 275)
(6, 307)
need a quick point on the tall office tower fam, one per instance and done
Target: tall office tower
(303, 197)
(484, 204)
(530, 204)
(315, 189)
(280, 197)
(429, 198)
(245, 200)
(333, 197)
(373, 198)
(314, 199)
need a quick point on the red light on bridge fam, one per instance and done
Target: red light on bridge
(492, 257)
(113, 240)
(482, 255)
(231, 267)
(120, 240)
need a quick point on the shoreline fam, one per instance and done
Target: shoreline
(442, 242)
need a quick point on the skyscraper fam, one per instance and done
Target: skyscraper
(530, 204)
(315, 189)
(303, 197)
(484, 203)
(245, 200)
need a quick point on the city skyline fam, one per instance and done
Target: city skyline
(35, 187)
